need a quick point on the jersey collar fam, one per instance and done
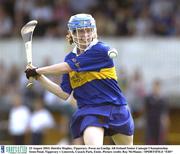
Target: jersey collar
(94, 42)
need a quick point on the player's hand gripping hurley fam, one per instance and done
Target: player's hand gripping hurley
(27, 33)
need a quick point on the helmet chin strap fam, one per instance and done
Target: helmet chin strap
(82, 46)
(82, 49)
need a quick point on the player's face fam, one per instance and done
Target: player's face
(83, 37)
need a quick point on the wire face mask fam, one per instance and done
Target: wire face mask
(82, 37)
(82, 28)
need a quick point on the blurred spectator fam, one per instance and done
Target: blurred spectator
(136, 92)
(18, 120)
(122, 18)
(177, 20)
(162, 12)
(66, 112)
(81, 5)
(14, 74)
(160, 7)
(41, 120)
(61, 13)
(3, 81)
(61, 10)
(21, 14)
(64, 128)
(123, 79)
(29, 94)
(42, 11)
(143, 25)
(6, 24)
(3, 74)
(104, 29)
(156, 116)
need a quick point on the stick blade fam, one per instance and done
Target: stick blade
(27, 30)
(29, 27)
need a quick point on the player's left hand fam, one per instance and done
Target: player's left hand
(31, 72)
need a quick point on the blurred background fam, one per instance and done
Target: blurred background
(146, 34)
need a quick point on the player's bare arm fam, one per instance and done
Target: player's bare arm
(52, 87)
(56, 89)
(49, 85)
(55, 69)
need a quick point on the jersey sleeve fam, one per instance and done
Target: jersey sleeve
(91, 60)
(65, 84)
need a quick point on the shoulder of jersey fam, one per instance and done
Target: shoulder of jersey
(70, 55)
(100, 46)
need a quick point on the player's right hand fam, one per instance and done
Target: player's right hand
(31, 72)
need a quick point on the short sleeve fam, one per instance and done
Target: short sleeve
(65, 84)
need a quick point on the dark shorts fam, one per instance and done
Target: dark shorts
(114, 119)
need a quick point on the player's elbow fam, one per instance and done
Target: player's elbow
(61, 94)
(67, 67)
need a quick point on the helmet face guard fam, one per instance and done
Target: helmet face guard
(82, 28)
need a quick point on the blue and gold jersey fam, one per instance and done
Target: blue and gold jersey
(93, 78)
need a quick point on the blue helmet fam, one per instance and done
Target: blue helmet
(82, 28)
(81, 21)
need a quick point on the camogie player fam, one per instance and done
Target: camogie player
(89, 72)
